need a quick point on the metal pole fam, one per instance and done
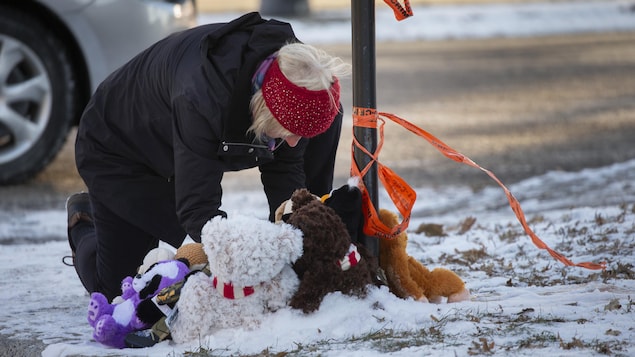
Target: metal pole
(364, 95)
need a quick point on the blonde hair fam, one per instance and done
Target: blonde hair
(305, 66)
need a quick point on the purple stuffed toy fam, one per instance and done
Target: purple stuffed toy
(112, 322)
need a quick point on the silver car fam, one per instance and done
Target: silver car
(53, 55)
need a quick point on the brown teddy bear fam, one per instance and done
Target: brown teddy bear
(407, 277)
(330, 260)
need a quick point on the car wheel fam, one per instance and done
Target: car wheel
(36, 96)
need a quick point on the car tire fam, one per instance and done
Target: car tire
(37, 95)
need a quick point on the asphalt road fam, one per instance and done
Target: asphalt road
(520, 107)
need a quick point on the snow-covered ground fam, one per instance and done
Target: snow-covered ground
(524, 302)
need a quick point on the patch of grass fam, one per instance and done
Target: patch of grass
(572, 232)
(601, 347)
(574, 343)
(510, 235)
(621, 271)
(431, 230)
(472, 256)
(538, 340)
(393, 341)
(466, 225)
(480, 347)
(203, 351)
(599, 220)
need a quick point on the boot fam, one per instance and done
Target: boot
(78, 210)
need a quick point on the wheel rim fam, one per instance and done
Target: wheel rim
(25, 98)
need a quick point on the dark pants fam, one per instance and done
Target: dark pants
(129, 222)
(108, 250)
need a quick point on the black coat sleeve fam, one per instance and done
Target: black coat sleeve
(284, 174)
(198, 170)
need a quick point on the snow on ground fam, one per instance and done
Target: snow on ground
(524, 302)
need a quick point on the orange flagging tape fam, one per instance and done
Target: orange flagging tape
(401, 11)
(404, 197)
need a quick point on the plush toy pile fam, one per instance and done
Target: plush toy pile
(256, 268)
(405, 276)
(245, 268)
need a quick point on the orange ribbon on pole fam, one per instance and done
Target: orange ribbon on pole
(404, 197)
(401, 11)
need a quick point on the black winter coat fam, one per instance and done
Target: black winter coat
(160, 132)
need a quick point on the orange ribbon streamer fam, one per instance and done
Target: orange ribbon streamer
(404, 197)
(401, 12)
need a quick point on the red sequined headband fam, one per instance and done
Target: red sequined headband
(300, 110)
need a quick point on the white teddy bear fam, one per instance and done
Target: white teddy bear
(251, 275)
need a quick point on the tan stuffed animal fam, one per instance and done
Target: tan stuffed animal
(407, 277)
(194, 253)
